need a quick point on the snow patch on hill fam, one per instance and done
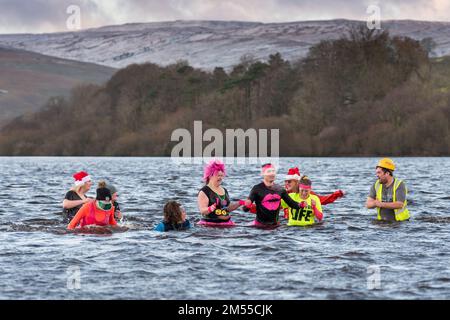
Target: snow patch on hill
(208, 44)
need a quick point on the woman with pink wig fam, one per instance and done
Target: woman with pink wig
(213, 199)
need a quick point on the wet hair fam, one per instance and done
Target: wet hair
(266, 165)
(172, 213)
(305, 181)
(387, 171)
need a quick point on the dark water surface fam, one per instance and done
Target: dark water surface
(336, 260)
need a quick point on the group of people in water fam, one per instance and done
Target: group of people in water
(81, 211)
(296, 200)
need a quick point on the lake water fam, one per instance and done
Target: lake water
(341, 259)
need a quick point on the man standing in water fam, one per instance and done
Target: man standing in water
(388, 194)
(267, 197)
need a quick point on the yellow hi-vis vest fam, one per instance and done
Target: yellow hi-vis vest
(400, 214)
(303, 217)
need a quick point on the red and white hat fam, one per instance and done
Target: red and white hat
(81, 178)
(293, 174)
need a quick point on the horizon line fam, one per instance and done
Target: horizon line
(217, 20)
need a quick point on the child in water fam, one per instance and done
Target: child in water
(174, 218)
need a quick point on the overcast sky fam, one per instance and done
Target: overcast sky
(36, 16)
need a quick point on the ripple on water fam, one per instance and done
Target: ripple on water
(328, 261)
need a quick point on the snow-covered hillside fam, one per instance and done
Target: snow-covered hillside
(207, 44)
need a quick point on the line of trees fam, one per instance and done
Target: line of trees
(365, 94)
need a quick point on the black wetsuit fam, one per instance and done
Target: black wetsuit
(222, 203)
(268, 202)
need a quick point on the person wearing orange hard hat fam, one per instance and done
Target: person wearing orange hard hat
(388, 194)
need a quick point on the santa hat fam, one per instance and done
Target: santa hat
(293, 174)
(81, 178)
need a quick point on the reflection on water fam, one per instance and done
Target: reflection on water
(329, 261)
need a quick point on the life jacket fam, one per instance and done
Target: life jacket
(96, 216)
(400, 214)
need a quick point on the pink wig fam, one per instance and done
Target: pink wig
(212, 168)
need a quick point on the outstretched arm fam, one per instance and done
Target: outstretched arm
(289, 201)
(233, 206)
(324, 200)
(248, 203)
(70, 204)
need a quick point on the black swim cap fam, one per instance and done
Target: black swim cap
(103, 194)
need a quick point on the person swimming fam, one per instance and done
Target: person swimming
(311, 208)
(213, 200)
(174, 218)
(76, 197)
(97, 213)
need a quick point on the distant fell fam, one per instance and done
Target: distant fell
(210, 44)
